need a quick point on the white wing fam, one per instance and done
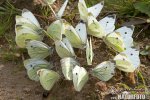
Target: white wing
(83, 2)
(80, 77)
(126, 33)
(108, 23)
(81, 30)
(89, 52)
(62, 9)
(68, 45)
(133, 56)
(29, 15)
(96, 9)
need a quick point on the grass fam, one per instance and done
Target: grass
(7, 14)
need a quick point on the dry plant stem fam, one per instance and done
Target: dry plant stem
(52, 10)
(47, 34)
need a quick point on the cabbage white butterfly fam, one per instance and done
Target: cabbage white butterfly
(38, 49)
(128, 60)
(104, 71)
(115, 41)
(29, 15)
(108, 23)
(23, 34)
(89, 52)
(74, 37)
(67, 65)
(33, 65)
(56, 29)
(84, 11)
(126, 33)
(80, 77)
(64, 48)
(48, 78)
(94, 28)
(120, 39)
(81, 31)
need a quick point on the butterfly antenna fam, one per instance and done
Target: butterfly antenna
(52, 10)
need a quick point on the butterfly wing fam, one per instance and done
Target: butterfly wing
(73, 36)
(33, 65)
(67, 65)
(38, 49)
(96, 9)
(94, 28)
(23, 34)
(89, 52)
(68, 45)
(104, 71)
(123, 63)
(115, 41)
(29, 15)
(62, 9)
(126, 32)
(133, 56)
(81, 30)
(108, 23)
(80, 77)
(83, 10)
(62, 50)
(48, 78)
(55, 30)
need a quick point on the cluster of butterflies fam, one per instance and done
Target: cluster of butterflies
(29, 35)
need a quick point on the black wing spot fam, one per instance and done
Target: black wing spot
(131, 54)
(125, 33)
(30, 65)
(95, 8)
(76, 73)
(31, 46)
(123, 59)
(79, 29)
(107, 22)
(117, 38)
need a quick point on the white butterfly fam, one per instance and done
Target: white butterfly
(89, 52)
(103, 27)
(64, 48)
(82, 32)
(104, 71)
(48, 78)
(38, 49)
(76, 36)
(108, 23)
(128, 60)
(23, 34)
(56, 29)
(80, 77)
(67, 65)
(126, 33)
(33, 65)
(84, 11)
(29, 15)
(27, 28)
(120, 39)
